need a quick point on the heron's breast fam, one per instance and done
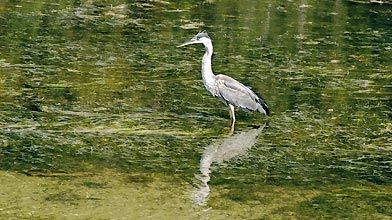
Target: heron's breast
(211, 89)
(209, 84)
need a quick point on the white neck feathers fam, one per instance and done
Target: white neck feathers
(206, 69)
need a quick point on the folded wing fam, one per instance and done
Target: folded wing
(233, 92)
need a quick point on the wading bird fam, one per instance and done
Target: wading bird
(228, 90)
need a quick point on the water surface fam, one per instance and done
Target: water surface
(102, 116)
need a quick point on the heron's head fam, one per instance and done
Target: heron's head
(200, 38)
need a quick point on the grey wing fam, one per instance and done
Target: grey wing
(233, 92)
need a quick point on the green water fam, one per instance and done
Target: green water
(103, 117)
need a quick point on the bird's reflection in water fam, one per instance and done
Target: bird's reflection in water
(218, 152)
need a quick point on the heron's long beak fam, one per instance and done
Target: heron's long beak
(191, 41)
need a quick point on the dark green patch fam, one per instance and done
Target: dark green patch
(248, 195)
(139, 179)
(348, 203)
(95, 185)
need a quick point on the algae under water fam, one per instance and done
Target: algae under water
(101, 116)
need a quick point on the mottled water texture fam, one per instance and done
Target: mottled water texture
(103, 117)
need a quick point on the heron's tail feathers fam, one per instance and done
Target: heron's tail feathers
(263, 108)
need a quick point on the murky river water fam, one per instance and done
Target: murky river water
(101, 116)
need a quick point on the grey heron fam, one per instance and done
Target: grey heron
(228, 90)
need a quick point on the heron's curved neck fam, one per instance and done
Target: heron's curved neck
(206, 63)
(206, 69)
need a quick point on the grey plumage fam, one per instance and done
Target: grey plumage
(227, 89)
(233, 92)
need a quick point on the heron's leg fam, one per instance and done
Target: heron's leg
(232, 115)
